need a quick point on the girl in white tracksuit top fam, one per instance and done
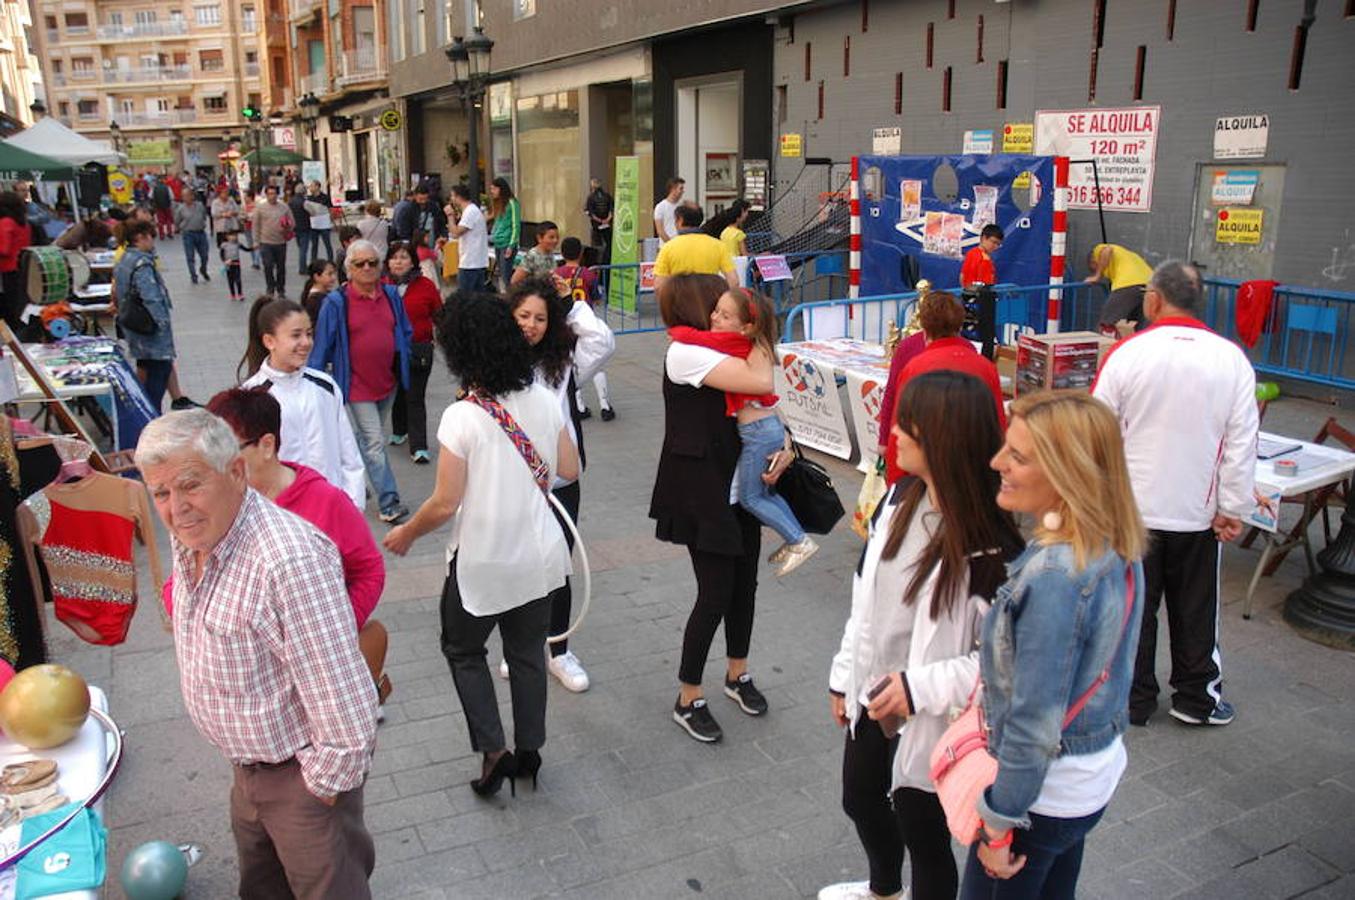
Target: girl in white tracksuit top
(935, 555)
(316, 431)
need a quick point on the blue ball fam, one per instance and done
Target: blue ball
(156, 870)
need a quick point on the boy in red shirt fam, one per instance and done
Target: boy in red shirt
(978, 265)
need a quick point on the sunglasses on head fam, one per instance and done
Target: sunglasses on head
(366, 263)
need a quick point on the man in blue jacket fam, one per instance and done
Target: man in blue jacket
(361, 333)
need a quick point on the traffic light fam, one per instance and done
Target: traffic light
(252, 113)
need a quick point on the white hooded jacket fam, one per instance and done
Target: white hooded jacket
(316, 431)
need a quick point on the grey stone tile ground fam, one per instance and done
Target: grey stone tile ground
(629, 807)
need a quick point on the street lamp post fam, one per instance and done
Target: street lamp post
(310, 112)
(470, 78)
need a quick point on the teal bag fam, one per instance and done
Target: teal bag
(70, 860)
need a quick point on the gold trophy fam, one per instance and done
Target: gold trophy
(894, 335)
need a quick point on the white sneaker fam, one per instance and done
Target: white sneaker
(856, 890)
(503, 669)
(569, 672)
(796, 554)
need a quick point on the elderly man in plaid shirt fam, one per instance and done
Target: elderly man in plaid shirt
(268, 663)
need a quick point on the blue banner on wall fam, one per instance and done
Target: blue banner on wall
(907, 229)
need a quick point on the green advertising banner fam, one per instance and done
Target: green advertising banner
(625, 242)
(150, 153)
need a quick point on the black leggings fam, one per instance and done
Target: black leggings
(916, 823)
(562, 598)
(726, 587)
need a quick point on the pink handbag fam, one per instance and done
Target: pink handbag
(961, 766)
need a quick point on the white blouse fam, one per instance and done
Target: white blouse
(509, 549)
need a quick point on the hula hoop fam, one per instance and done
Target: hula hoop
(112, 763)
(587, 571)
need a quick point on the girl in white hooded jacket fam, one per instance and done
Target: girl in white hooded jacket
(935, 556)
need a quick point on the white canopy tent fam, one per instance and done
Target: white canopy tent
(50, 138)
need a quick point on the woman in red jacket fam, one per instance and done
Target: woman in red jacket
(14, 237)
(941, 316)
(409, 413)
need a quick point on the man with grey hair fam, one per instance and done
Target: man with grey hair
(362, 339)
(268, 663)
(1186, 401)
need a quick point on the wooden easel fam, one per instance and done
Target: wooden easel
(116, 463)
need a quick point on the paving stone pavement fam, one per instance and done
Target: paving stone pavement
(630, 807)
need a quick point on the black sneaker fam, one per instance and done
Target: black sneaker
(749, 698)
(697, 721)
(395, 515)
(1221, 714)
(585, 413)
(608, 414)
(184, 403)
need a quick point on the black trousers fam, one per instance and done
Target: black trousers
(562, 598)
(916, 823)
(233, 282)
(1181, 568)
(726, 587)
(409, 412)
(523, 630)
(274, 258)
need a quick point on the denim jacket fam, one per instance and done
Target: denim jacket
(1050, 633)
(139, 267)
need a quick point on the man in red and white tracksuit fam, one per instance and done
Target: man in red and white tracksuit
(1186, 401)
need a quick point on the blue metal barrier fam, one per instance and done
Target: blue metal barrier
(1019, 308)
(1304, 336)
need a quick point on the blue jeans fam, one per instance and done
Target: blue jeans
(195, 244)
(761, 439)
(368, 428)
(303, 246)
(472, 280)
(157, 372)
(1053, 851)
(316, 238)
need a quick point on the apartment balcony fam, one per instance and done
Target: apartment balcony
(53, 35)
(157, 119)
(251, 70)
(57, 79)
(142, 30)
(302, 9)
(152, 75)
(94, 115)
(364, 64)
(87, 75)
(77, 30)
(315, 83)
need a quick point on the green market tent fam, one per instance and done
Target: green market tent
(273, 156)
(18, 164)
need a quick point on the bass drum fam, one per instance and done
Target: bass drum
(46, 274)
(80, 270)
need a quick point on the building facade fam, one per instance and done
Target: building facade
(20, 73)
(173, 75)
(575, 88)
(337, 59)
(937, 70)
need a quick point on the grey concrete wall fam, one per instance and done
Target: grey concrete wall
(563, 29)
(1212, 67)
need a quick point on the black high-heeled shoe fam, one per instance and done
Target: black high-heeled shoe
(504, 767)
(529, 763)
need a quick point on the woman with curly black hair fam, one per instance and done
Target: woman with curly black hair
(566, 338)
(506, 554)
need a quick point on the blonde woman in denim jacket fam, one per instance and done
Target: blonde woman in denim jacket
(1069, 611)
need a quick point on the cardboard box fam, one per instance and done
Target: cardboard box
(1058, 361)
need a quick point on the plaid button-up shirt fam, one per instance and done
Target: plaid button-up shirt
(268, 650)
